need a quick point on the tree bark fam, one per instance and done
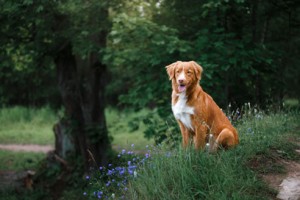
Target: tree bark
(69, 89)
(81, 81)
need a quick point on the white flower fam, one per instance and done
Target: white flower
(113, 195)
(134, 174)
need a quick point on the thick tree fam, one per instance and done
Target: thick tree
(68, 36)
(82, 30)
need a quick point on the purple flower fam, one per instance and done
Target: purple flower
(121, 172)
(108, 184)
(125, 189)
(129, 162)
(110, 172)
(118, 168)
(132, 145)
(99, 194)
(147, 155)
(87, 178)
(119, 155)
(84, 193)
(100, 168)
(123, 151)
(132, 167)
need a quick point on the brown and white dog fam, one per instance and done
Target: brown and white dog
(199, 117)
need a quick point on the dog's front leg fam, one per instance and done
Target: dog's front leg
(199, 137)
(185, 135)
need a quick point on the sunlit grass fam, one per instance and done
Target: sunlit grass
(20, 125)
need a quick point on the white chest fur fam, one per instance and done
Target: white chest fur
(183, 112)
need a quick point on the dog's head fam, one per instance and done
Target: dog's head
(184, 75)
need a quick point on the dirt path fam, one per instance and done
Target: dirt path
(27, 147)
(23, 178)
(287, 185)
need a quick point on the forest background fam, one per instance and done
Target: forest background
(86, 56)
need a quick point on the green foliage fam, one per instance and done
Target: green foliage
(27, 75)
(126, 128)
(137, 53)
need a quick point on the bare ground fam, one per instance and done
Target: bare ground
(27, 147)
(287, 184)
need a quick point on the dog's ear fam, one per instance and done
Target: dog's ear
(171, 70)
(198, 70)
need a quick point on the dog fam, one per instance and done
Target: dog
(197, 114)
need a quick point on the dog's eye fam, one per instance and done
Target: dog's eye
(177, 71)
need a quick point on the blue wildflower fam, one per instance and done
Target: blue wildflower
(110, 172)
(107, 184)
(147, 155)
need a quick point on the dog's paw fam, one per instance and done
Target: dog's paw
(207, 147)
(212, 144)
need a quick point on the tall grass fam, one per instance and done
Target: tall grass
(27, 125)
(186, 174)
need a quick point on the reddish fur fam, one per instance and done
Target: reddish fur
(208, 118)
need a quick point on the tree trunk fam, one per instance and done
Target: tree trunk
(81, 81)
(69, 89)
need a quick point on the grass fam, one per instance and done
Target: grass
(20, 125)
(16, 161)
(171, 173)
(233, 174)
(227, 175)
